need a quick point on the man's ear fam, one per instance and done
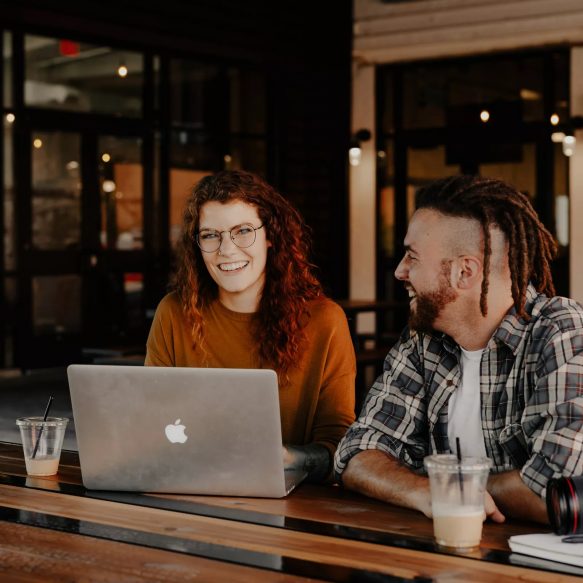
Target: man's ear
(469, 271)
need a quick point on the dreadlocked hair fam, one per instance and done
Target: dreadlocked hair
(494, 203)
(289, 279)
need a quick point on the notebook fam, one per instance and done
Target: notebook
(549, 546)
(179, 430)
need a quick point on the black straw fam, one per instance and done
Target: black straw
(42, 427)
(458, 449)
(459, 472)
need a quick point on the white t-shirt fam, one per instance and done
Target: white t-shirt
(465, 419)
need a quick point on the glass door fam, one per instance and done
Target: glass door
(116, 270)
(82, 256)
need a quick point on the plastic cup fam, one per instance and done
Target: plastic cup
(457, 499)
(41, 443)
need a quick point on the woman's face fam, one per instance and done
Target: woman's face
(238, 272)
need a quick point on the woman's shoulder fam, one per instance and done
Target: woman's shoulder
(169, 304)
(323, 309)
(328, 323)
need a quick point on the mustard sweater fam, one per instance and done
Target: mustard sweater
(316, 406)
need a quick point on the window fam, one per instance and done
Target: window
(75, 76)
(218, 122)
(483, 115)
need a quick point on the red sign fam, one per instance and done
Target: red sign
(68, 48)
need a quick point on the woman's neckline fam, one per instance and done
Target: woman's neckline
(232, 314)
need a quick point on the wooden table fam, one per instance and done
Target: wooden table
(52, 529)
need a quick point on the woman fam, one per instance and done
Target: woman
(245, 297)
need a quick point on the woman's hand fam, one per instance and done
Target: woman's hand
(289, 459)
(314, 459)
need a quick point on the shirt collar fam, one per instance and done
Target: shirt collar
(512, 329)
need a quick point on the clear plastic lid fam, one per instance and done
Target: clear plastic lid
(445, 462)
(49, 422)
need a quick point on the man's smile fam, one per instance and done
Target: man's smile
(411, 293)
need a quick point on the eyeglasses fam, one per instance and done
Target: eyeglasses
(209, 240)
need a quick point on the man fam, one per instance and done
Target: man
(490, 357)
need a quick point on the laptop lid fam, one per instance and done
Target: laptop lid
(178, 430)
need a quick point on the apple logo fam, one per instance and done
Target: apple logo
(175, 432)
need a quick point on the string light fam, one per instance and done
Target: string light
(484, 115)
(37, 143)
(555, 119)
(10, 117)
(105, 157)
(122, 71)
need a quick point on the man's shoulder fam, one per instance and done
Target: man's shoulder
(558, 312)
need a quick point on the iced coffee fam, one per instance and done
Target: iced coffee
(42, 440)
(457, 499)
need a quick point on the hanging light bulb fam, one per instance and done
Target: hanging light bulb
(122, 71)
(555, 119)
(484, 115)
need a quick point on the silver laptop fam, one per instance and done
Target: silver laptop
(179, 430)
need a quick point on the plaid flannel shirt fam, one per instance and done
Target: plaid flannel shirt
(531, 391)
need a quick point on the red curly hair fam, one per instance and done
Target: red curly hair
(289, 279)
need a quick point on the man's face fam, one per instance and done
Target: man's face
(426, 271)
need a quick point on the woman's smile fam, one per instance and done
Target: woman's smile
(233, 267)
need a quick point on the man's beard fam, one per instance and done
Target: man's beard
(429, 305)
